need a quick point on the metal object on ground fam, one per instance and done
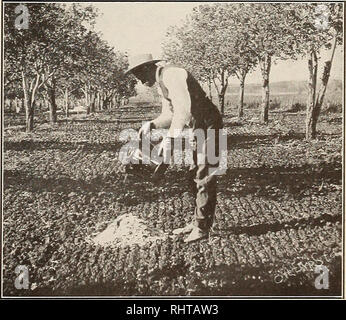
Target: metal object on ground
(144, 164)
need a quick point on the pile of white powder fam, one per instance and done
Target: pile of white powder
(128, 230)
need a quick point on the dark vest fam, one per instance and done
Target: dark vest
(204, 113)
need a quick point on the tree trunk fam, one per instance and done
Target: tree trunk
(66, 103)
(41, 106)
(310, 122)
(315, 101)
(30, 118)
(106, 102)
(103, 100)
(241, 97)
(29, 113)
(209, 89)
(265, 65)
(87, 105)
(117, 100)
(222, 103)
(101, 106)
(92, 102)
(110, 103)
(29, 105)
(324, 82)
(222, 98)
(114, 103)
(18, 105)
(52, 103)
(52, 109)
(46, 103)
(8, 105)
(98, 106)
(221, 92)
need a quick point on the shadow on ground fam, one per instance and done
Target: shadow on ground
(30, 145)
(295, 182)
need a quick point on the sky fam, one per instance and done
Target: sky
(139, 27)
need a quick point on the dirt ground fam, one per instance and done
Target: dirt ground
(278, 216)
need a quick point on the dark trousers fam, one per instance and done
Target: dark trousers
(203, 181)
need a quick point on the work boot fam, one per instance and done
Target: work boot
(196, 234)
(188, 228)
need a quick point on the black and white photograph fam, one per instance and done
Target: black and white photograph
(172, 150)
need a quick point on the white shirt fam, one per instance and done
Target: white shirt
(175, 113)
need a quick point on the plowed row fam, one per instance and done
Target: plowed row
(278, 216)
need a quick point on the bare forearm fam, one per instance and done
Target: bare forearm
(163, 121)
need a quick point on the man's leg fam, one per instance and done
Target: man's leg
(204, 188)
(206, 183)
(191, 179)
(205, 198)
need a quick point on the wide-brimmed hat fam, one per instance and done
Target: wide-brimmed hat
(140, 60)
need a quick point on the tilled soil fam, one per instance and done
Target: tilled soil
(278, 215)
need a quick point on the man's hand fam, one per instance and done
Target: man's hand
(145, 129)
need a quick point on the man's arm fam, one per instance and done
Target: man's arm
(175, 80)
(165, 118)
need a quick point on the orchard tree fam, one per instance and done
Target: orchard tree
(271, 36)
(114, 85)
(183, 48)
(22, 48)
(319, 26)
(201, 45)
(246, 64)
(37, 50)
(13, 95)
(101, 71)
(13, 92)
(239, 47)
(71, 31)
(221, 40)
